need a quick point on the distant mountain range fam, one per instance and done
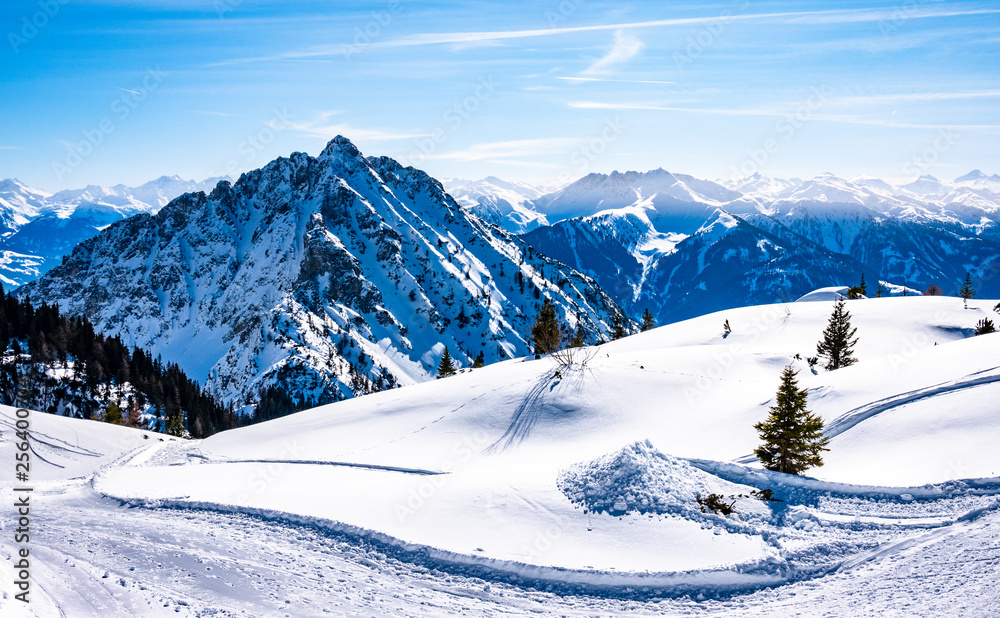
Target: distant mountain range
(683, 246)
(37, 228)
(326, 276)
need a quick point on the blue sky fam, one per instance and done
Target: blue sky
(100, 91)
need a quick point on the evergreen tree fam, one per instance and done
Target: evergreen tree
(880, 290)
(648, 321)
(479, 362)
(617, 327)
(579, 337)
(792, 436)
(446, 367)
(545, 332)
(175, 425)
(726, 329)
(862, 286)
(967, 290)
(837, 345)
(112, 414)
(985, 327)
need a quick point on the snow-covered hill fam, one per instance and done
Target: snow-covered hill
(38, 228)
(329, 276)
(492, 447)
(683, 247)
(583, 481)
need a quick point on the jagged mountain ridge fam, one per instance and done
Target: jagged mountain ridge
(37, 228)
(331, 276)
(682, 247)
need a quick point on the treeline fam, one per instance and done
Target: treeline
(59, 364)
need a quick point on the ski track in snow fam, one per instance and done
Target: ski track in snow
(344, 464)
(184, 562)
(850, 419)
(524, 416)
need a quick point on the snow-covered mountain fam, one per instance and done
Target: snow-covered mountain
(38, 228)
(682, 247)
(672, 202)
(330, 276)
(19, 204)
(501, 202)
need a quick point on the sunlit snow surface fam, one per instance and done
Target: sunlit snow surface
(514, 489)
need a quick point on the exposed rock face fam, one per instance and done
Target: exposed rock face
(329, 276)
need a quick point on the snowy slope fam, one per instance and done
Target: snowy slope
(520, 491)
(445, 464)
(329, 276)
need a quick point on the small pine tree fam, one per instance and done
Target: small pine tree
(545, 332)
(862, 286)
(446, 367)
(617, 327)
(579, 337)
(112, 414)
(479, 362)
(648, 321)
(967, 291)
(726, 330)
(880, 291)
(985, 327)
(175, 425)
(792, 436)
(837, 345)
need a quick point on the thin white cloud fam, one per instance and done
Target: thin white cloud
(797, 17)
(511, 148)
(916, 97)
(624, 49)
(528, 164)
(620, 81)
(10, 147)
(443, 38)
(776, 112)
(667, 108)
(211, 113)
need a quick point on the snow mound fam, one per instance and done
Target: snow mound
(639, 478)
